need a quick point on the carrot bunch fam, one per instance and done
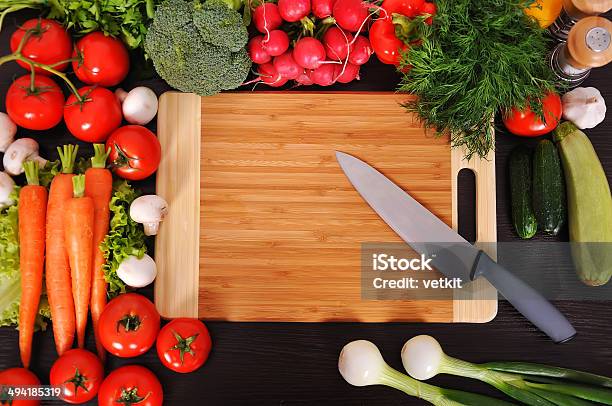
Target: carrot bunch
(58, 279)
(32, 211)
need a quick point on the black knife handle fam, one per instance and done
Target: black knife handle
(525, 299)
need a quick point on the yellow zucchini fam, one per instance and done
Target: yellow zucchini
(589, 205)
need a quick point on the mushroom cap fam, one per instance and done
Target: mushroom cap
(17, 153)
(136, 272)
(148, 209)
(8, 129)
(6, 188)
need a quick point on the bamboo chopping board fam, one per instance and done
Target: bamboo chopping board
(264, 226)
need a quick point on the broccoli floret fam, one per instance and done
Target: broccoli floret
(220, 25)
(185, 59)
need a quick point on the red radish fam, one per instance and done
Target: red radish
(293, 10)
(361, 51)
(428, 8)
(270, 76)
(256, 51)
(267, 18)
(346, 74)
(309, 53)
(322, 8)
(323, 75)
(350, 14)
(286, 67)
(304, 78)
(337, 43)
(276, 43)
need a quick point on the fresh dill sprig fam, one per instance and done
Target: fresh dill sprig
(479, 57)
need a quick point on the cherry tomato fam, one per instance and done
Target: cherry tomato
(17, 377)
(183, 345)
(384, 43)
(100, 60)
(135, 152)
(35, 109)
(429, 8)
(526, 123)
(408, 8)
(80, 373)
(48, 44)
(94, 119)
(131, 385)
(128, 325)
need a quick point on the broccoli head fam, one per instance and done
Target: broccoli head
(186, 59)
(220, 25)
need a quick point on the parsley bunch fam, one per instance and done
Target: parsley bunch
(479, 57)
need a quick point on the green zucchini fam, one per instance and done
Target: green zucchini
(549, 204)
(523, 216)
(589, 205)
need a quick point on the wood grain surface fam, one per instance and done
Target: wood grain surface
(280, 226)
(295, 364)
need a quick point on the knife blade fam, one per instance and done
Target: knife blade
(453, 255)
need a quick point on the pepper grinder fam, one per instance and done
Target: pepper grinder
(575, 10)
(588, 46)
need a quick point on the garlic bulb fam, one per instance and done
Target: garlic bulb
(584, 106)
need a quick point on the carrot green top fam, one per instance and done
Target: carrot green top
(100, 156)
(67, 154)
(31, 172)
(78, 185)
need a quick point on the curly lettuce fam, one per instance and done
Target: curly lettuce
(10, 277)
(125, 237)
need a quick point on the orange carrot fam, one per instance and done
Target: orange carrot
(57, 270)
(32, 212)
(99, 186)
(78, 233)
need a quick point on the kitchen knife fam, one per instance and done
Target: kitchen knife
(452, 254)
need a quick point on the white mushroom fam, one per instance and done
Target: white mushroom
(139, 106)
(23, 149)
(137, 273)
(149, 210)
(6, 188)
(8, 129)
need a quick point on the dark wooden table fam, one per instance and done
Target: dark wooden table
(296, 363)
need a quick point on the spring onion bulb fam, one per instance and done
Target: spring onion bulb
(531, 384)
(361, 364)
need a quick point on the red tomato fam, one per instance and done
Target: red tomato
(48, 44)
(528, 124)
(96, 118)
(17, 377)
(128, 325)
(183, 345)
(408, 8)
(384, 43)
(131, 385)
(135, 152)
(38, 109)
(100, 60)
(429, 8)
(80, 373)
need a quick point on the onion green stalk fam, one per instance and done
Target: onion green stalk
(361, 364)
(531, 384)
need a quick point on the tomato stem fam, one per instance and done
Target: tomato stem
(130, 322)
(130, 397)
(78, 379)
(184, 345)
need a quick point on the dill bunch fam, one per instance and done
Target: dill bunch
(478, 57)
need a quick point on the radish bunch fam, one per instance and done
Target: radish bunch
(285, 48)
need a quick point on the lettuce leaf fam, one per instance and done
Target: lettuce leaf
(125, 237)
(10, 277)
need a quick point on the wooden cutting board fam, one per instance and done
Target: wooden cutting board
(264, 226)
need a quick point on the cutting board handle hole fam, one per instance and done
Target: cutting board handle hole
(466, 204)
